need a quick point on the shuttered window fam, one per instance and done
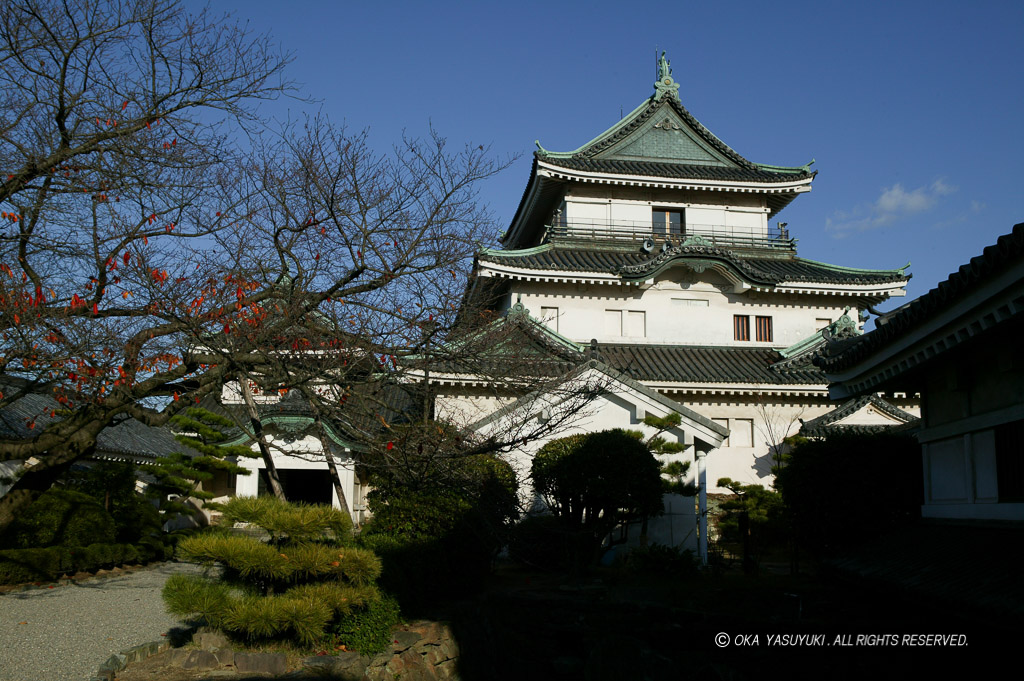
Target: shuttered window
(764, 329)
(741, 327)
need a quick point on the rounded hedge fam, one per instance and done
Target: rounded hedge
(62, 518)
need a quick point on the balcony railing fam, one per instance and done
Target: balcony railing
(777, 239)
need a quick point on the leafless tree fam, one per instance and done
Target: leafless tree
(146, 260)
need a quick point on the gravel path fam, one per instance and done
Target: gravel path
(65, 633)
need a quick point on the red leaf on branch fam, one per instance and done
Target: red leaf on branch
(391, 445)
(124, 105)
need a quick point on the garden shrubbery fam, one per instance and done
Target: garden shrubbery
(591, 483)
(833, 499)
(303, 583)
(65, 532)
(61, 518)
(438, 537)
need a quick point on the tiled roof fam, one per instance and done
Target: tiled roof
(1006, 252)
(129, 437)
(675, 170)
(564, 258)
(826, 423)
(699, 364)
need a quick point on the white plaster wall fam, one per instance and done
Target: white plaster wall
(742, 214)
(605, 413)
(751, 465)
(671, 311)
(308, 456)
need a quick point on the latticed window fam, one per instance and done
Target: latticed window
(741, 327)
(764, 329)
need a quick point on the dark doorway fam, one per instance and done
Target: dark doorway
(307, 486)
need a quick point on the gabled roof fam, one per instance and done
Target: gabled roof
(829, 423)
(659, 139)
(631, 263)
(801, 354)
(987, 291)
(714, 432)
(665, 140)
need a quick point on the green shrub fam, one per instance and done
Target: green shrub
(33, 565)
(542, 541)
(62, 518)
(46, 564)
(594, 481)
(307, 577)
(439, 537)
(663, 561)
(369, 631)
(825, 479)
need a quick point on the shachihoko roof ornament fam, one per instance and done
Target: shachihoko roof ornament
(665, 85)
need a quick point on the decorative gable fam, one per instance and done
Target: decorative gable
(665, 136)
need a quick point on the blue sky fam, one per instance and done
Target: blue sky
(912, 110)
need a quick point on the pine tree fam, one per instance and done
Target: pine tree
(304, 580)
(180, 475)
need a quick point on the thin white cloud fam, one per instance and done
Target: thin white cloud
(894, 202)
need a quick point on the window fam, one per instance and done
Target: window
(764, 329)
(820, 324)
(1009, 462)
(636, 324)
(689, 302)
(668, 221)
(741, 433)
(741, 327)
(549, 315)
(613, 322)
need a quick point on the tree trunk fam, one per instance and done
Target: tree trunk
(273, 479)
(332, 467)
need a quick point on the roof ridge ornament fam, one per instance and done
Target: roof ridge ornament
(665, 84)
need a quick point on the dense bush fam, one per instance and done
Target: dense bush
(307, 577)
(368, 631)
(46, 564)
(438, 536)
(61, 518)
(545, 542)
(834, 499)
(754, 520)
(661, 561)
(594, 481)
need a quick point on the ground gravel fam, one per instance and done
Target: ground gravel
(65, 633)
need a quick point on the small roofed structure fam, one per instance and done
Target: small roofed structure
(958, 346)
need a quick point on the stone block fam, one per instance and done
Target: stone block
(114, 663)
(403, 640)
(262, 663)
(211, 640)
(346, 665)
(202, 660)
(177, 655)
(225, 656)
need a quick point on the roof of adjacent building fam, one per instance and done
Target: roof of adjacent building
(1007, 252)
(561, 257)
(128, 437)
(826, 424)
(703, 364)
